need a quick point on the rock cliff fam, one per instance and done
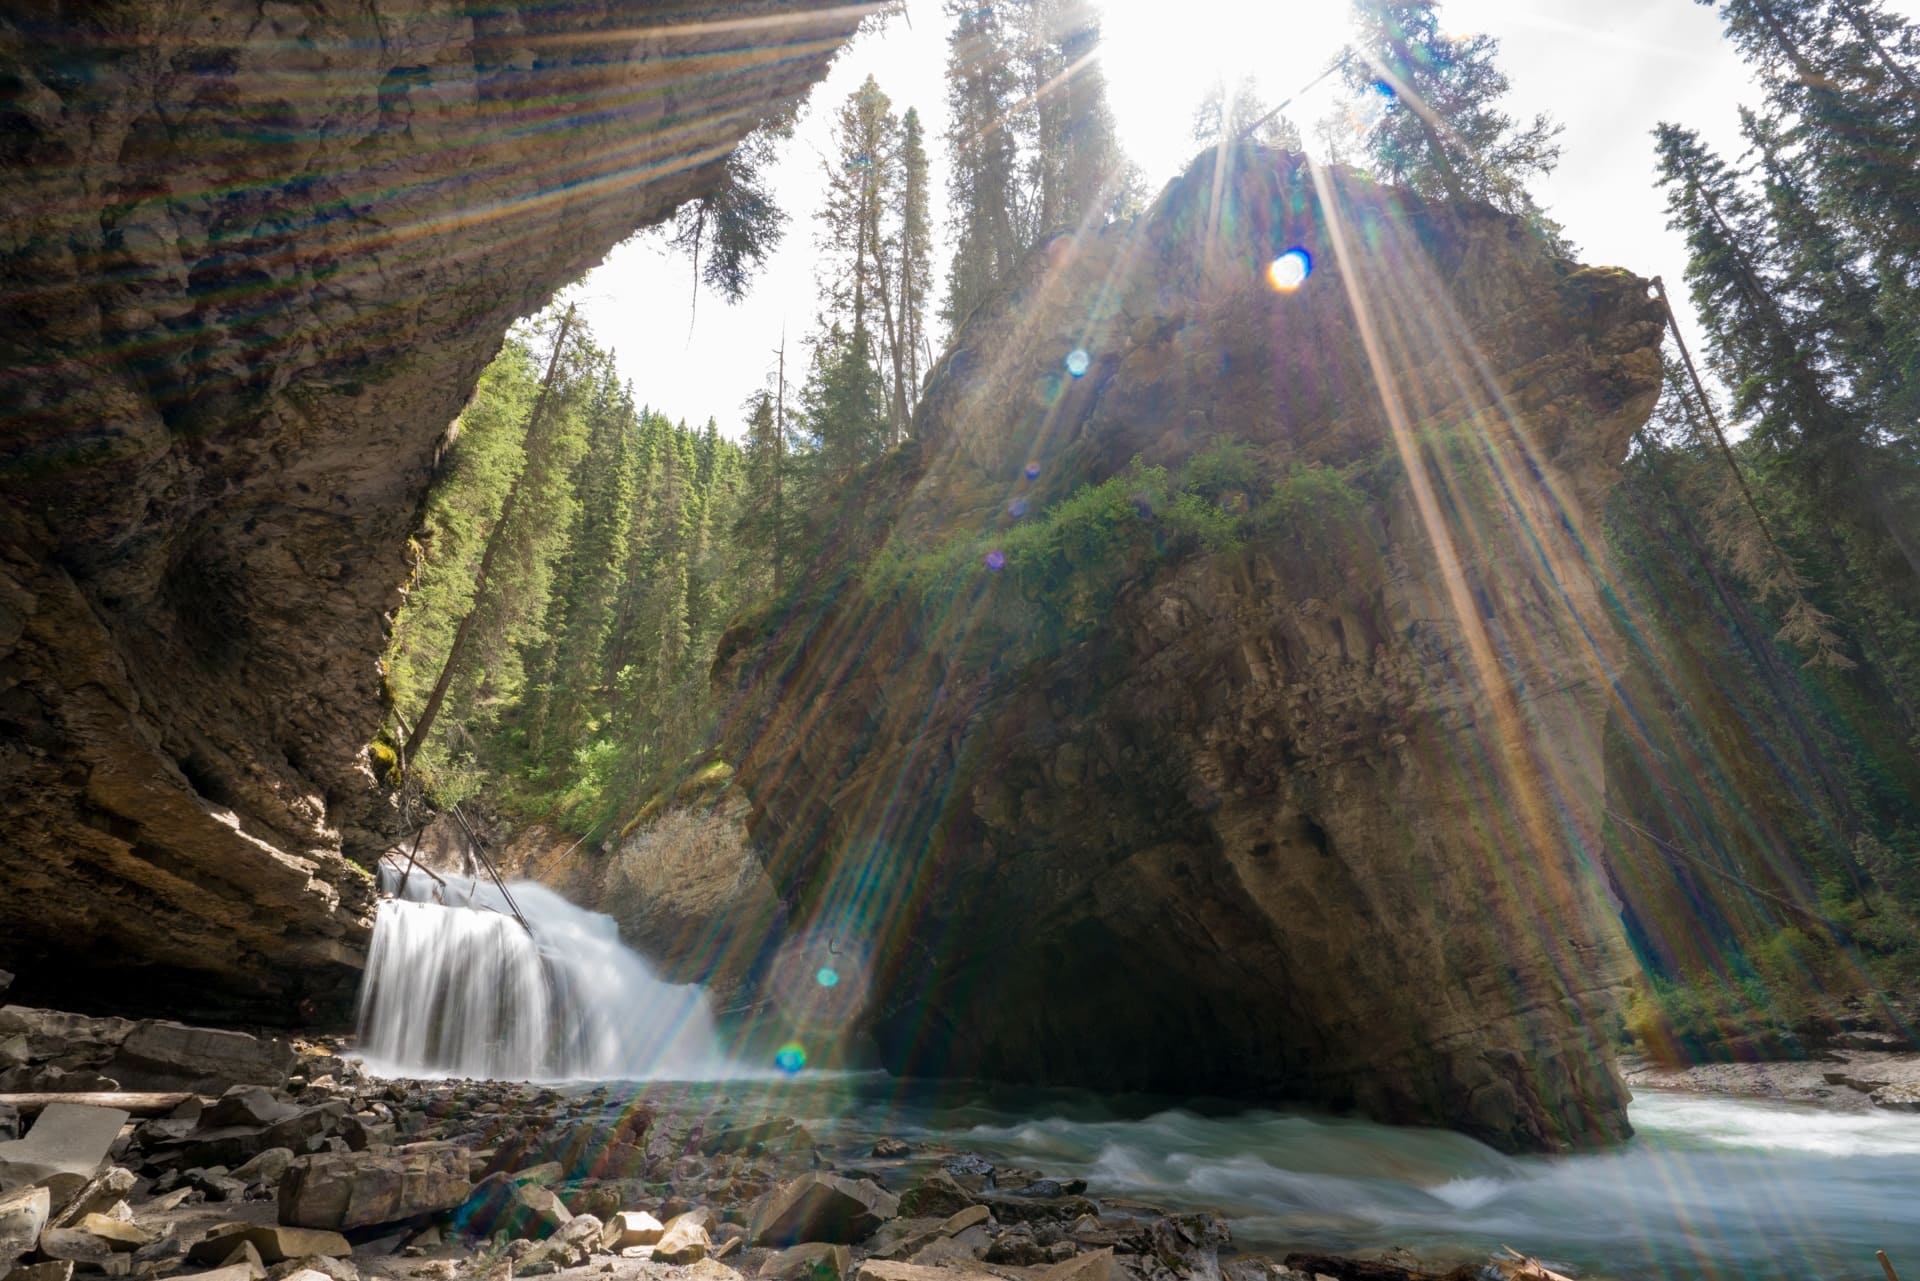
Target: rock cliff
(252, 257)
(1281, 777)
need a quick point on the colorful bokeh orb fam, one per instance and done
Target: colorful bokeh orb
(1033, 471)
(1078, 362)
(1017, 508)
(827, 976)
(1290, 270)
(790, 1058)
(996, 560)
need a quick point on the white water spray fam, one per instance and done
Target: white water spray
(455, 986)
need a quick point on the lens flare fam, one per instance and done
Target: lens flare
(1033, 471)
(1290, 270)
(1017, 508)
(1078, 362)
(826, 976)
(996, 560)
(791, 1057)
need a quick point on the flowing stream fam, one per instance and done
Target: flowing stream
(456, 986)
(1712, 1187)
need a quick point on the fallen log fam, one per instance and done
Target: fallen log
(133, 1103)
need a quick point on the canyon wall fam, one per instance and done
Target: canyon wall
(1281, 778)
(252, 257)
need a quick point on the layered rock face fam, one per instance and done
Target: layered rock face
(1308, 816)
(252, 259)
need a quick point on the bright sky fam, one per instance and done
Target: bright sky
(1606, 69)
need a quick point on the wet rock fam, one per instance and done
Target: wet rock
(632, 1227)
(1902, 1096)
(23, 1213)
(820, 1207)
(811, 1261)
(63, 1149)
(782, 1134)
(889, 1149)
(358, 1189)
(1041, 1187)
(1034, 1209)
(970, 1169)
(939, 1195)
(274, 1243)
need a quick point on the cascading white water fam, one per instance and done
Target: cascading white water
(455, 986)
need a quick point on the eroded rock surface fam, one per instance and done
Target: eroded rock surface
(252, 258)
(1308, 817)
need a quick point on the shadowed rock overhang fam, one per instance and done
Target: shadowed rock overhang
(252, 259)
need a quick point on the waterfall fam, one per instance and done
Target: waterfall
(455, 986)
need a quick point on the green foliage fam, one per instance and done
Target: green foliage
(1060, 572)
(618, 575)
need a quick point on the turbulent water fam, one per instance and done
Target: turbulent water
(1711, 1188)
(455, 985)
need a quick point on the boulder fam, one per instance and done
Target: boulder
(9, 1122)
(158, 1055)
(63, 1149)
(274, 1243)
(268, 1166)
(500, 1203)
(101, 1193)
(685, 1239)
(334, 1269)
(809, 1261)
(357, 1189)
(123, 1235)
(76, 1245)
(889, 1149)
(23, 1213)
(820, 1207)
(248, 1105)
(937, 1196)
(632, 1227)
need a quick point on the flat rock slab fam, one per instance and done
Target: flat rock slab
(273, 1243)
(888, 1270)
(62, 1150)
(47, 1270)
(359, 1189)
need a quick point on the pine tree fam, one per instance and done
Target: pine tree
(738, 223)
(982, 185)
(1237, 113)
(861, 173)
(1439, 129)
(911, 248)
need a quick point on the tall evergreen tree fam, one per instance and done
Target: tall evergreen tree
(983, 194)
(1439, 128)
